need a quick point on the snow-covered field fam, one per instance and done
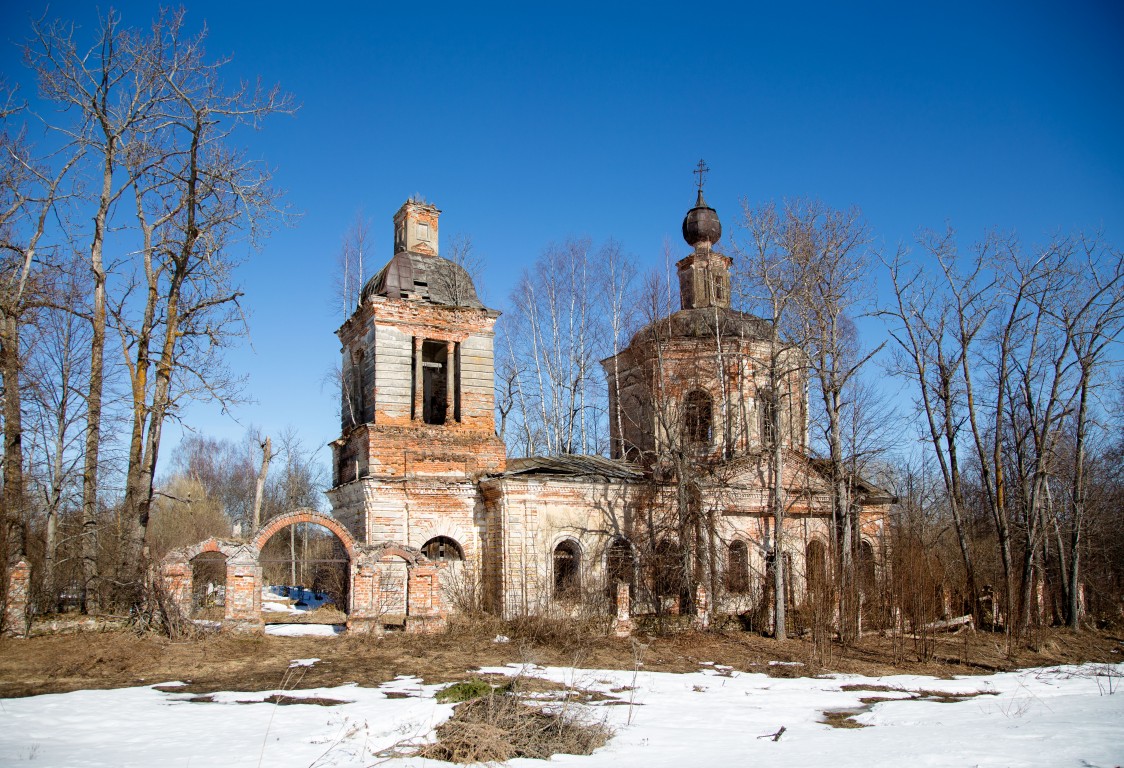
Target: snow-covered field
(1060, 716)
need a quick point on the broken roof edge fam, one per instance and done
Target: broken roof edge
(872, 494)
(573, 465)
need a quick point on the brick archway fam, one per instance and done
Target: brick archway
(425, 608)
(297, 516)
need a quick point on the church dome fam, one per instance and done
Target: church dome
(706, 323)
(701, 224)
(426, 278)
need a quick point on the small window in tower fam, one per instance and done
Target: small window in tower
(435, 384)
(423, 231)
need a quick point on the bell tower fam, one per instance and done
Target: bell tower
(704, 275)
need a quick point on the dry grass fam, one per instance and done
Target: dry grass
(500, 726)
(216, 662)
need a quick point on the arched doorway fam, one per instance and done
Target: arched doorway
(208, 580)
(304, 575)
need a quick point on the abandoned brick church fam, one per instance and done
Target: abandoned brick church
(419, 465)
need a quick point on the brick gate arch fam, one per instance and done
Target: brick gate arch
(297, 516)
(425, 607)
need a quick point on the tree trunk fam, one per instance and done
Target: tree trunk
(777, 468)
(13, 492)
(91, 586)
(259, 485)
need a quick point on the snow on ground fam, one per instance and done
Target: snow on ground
(1060, 716)
(305, 630)
(276, 599)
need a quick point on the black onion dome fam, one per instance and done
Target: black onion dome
(701, 224)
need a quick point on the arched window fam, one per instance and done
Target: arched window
(442, 549)
(767, 415)
(668, 568)
(737, 567)
(866, 567)
(698, 421)
(619, 562)
(567, 569)
(815, 565)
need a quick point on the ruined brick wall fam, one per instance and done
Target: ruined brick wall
(17, 608)
(528, 518)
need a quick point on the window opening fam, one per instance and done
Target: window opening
(698, 423)
(815, 564)
(567, 569)
(737, 567)
(620, 564)
(435, 384)
(767, 408)
(866, 567)
(442, 549)
(669, 568)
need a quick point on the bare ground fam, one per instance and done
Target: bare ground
(213, 662)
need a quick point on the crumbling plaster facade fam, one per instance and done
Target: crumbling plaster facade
(419, 464)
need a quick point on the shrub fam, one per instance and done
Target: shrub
(464, 691)
(497, 727)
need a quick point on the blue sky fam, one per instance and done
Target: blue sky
(529, 123)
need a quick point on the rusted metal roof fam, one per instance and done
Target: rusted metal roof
(706, 323)
(574, 465)
(417, 276)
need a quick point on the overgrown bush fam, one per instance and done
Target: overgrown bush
(500, 726)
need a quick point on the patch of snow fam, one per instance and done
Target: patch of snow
(501, 639)
(309, 599)
(302, 663)
(304, 630)
(1056, 716)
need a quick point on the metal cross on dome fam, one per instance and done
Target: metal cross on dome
(701, 169)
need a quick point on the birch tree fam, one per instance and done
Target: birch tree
(833, 249)
(773, 254)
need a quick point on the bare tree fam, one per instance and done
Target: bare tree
(56, 374)
(30, 191)
(112, 89)
(833, 249)
(556, 349)
(775, 278)
(999, 347)
(259, 485)
(930, 354)
(351, 268)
